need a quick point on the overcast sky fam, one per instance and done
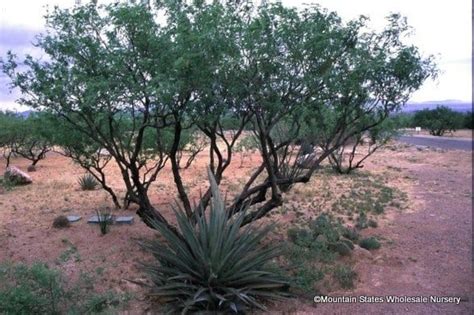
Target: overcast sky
(442, 28)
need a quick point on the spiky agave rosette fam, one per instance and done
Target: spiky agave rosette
(214, 265)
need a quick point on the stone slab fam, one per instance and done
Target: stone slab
(73, 218)
(95, 219)
(124, 220)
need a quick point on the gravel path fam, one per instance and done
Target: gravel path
(439, 142)
(429, 252)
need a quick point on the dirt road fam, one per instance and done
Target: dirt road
(439, 142)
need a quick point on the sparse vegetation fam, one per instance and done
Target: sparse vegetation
(38, 289)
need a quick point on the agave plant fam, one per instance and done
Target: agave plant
(88, 182)
(104, 219)
(213, 265)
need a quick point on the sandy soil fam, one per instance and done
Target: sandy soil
(426, 248)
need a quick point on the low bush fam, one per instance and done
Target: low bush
(213, 265)
(370, 243)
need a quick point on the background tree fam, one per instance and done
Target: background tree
(438, 121)
(468, 121)
(34, 138)
(9, 122)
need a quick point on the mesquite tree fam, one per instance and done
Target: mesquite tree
(29, 137)
(136, 84)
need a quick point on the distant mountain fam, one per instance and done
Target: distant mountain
(455, 105)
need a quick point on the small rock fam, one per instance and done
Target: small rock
(31, 168)
(16, 176)
(421, 148)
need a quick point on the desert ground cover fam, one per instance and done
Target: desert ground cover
(421, 202)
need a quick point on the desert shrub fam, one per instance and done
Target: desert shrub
(88, 182)
(350, 234)
(60, 222)
(345, 276)
(38, 289)
(213, 265)
(369, 243)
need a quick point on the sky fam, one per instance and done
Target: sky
(441, 28)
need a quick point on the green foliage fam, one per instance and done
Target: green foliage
(350, 234)
(369, 243)
(345, 276)
(438, 121)
(88, 182)
(6, 183)
(468, 120)
(30, 137)
(213, 265)
(38, 289)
